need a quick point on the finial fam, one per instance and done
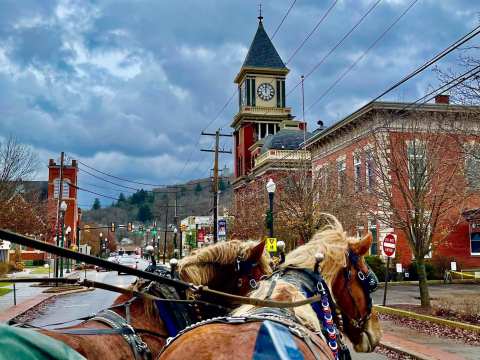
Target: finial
(260, 17)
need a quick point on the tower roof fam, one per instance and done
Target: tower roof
(262, 53)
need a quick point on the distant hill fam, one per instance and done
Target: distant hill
(193, 198)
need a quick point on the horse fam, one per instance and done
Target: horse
(139, 324)
(330, 263)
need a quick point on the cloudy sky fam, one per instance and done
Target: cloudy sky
(127, 86)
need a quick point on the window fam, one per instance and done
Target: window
(472, 166)
(475, 238)
(66, 188)
(265, 129)
(357, 168)
(369, 170)
(342, 176)
(417, 166)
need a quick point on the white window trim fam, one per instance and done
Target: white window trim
(408, 143)
(357, 178)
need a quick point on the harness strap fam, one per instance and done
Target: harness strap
(115, 321)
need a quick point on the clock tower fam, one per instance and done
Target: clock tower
(261, 101)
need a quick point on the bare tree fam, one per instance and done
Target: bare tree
(17, 162)
(417, 185)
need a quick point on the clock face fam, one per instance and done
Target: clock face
(265, 91)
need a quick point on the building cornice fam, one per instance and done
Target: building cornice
(388, 106)
(246, 70)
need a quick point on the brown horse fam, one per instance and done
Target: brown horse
(226, 266)
(251, 331)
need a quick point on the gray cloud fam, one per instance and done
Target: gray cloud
(127, 86)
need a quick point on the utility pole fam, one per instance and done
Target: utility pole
(215, 176)
(165, 236)
(60, 192)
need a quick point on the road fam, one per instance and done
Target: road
(70, 307)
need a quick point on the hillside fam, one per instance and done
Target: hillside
(193, 198)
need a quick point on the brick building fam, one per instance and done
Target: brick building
(69, 195)
(346, 147)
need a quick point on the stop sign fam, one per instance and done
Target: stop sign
(389, 243)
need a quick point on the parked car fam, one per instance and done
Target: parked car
(129, 261)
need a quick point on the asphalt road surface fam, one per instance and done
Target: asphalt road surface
(70, 307)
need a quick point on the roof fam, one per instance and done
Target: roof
(262, 53)
(385, 105)
(284, 139)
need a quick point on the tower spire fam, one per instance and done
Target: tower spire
(260, 17)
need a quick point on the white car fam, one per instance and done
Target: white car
(129, 261)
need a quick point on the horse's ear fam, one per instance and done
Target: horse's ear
(361, 247)
(257, 252)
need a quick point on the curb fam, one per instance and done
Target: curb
(400, 350)
(450, 323)
(431, 282)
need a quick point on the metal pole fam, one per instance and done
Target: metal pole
(270, 198)
(165, 236)
(63, 244)
(60, 191)
(215, 188)
(14, 294)
(386, 282)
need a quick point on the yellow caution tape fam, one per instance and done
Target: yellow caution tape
(462, 273)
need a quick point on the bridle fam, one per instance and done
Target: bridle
(245, 270)
(369, 282)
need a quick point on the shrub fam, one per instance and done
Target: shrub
(39, 262)
(433, 273)
(3, 268)
(376, 264)
(15, 266)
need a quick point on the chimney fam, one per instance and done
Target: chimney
(442, 99)
(320, 125)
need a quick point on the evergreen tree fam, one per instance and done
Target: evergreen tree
(96, 204)
(198, 189)
(144, 213)
(221, 185)
(121, 199)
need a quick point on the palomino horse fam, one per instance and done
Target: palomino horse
(216, 266)
(329, 263)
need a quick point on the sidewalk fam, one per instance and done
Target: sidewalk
(426, 347)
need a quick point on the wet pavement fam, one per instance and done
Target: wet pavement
(74, 306)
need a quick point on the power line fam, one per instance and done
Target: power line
(92, 192)
(350, 68)
(108, 181)
(340, 42)
(283, 19)
(325, 15)
(119, 178)
(461, 78)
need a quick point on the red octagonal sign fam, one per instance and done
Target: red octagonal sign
(389, 244)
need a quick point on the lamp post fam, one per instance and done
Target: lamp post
(175, 232)
(271, 187)
(63, 210)
(68, 230)
(101, 243)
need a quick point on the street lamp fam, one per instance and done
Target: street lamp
(175, 232)
(68, 230)
(271, 187)
(63, 210)
(101, 242)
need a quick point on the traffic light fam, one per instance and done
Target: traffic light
(112, 227)
(129, 227)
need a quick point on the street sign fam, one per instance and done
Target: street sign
(222, 228)
(271, 244)
(389, 244)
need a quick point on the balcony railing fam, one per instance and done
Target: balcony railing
(282, 155)
(265, 110)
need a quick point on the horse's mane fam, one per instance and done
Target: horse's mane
(333, 242)
(202, 265)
